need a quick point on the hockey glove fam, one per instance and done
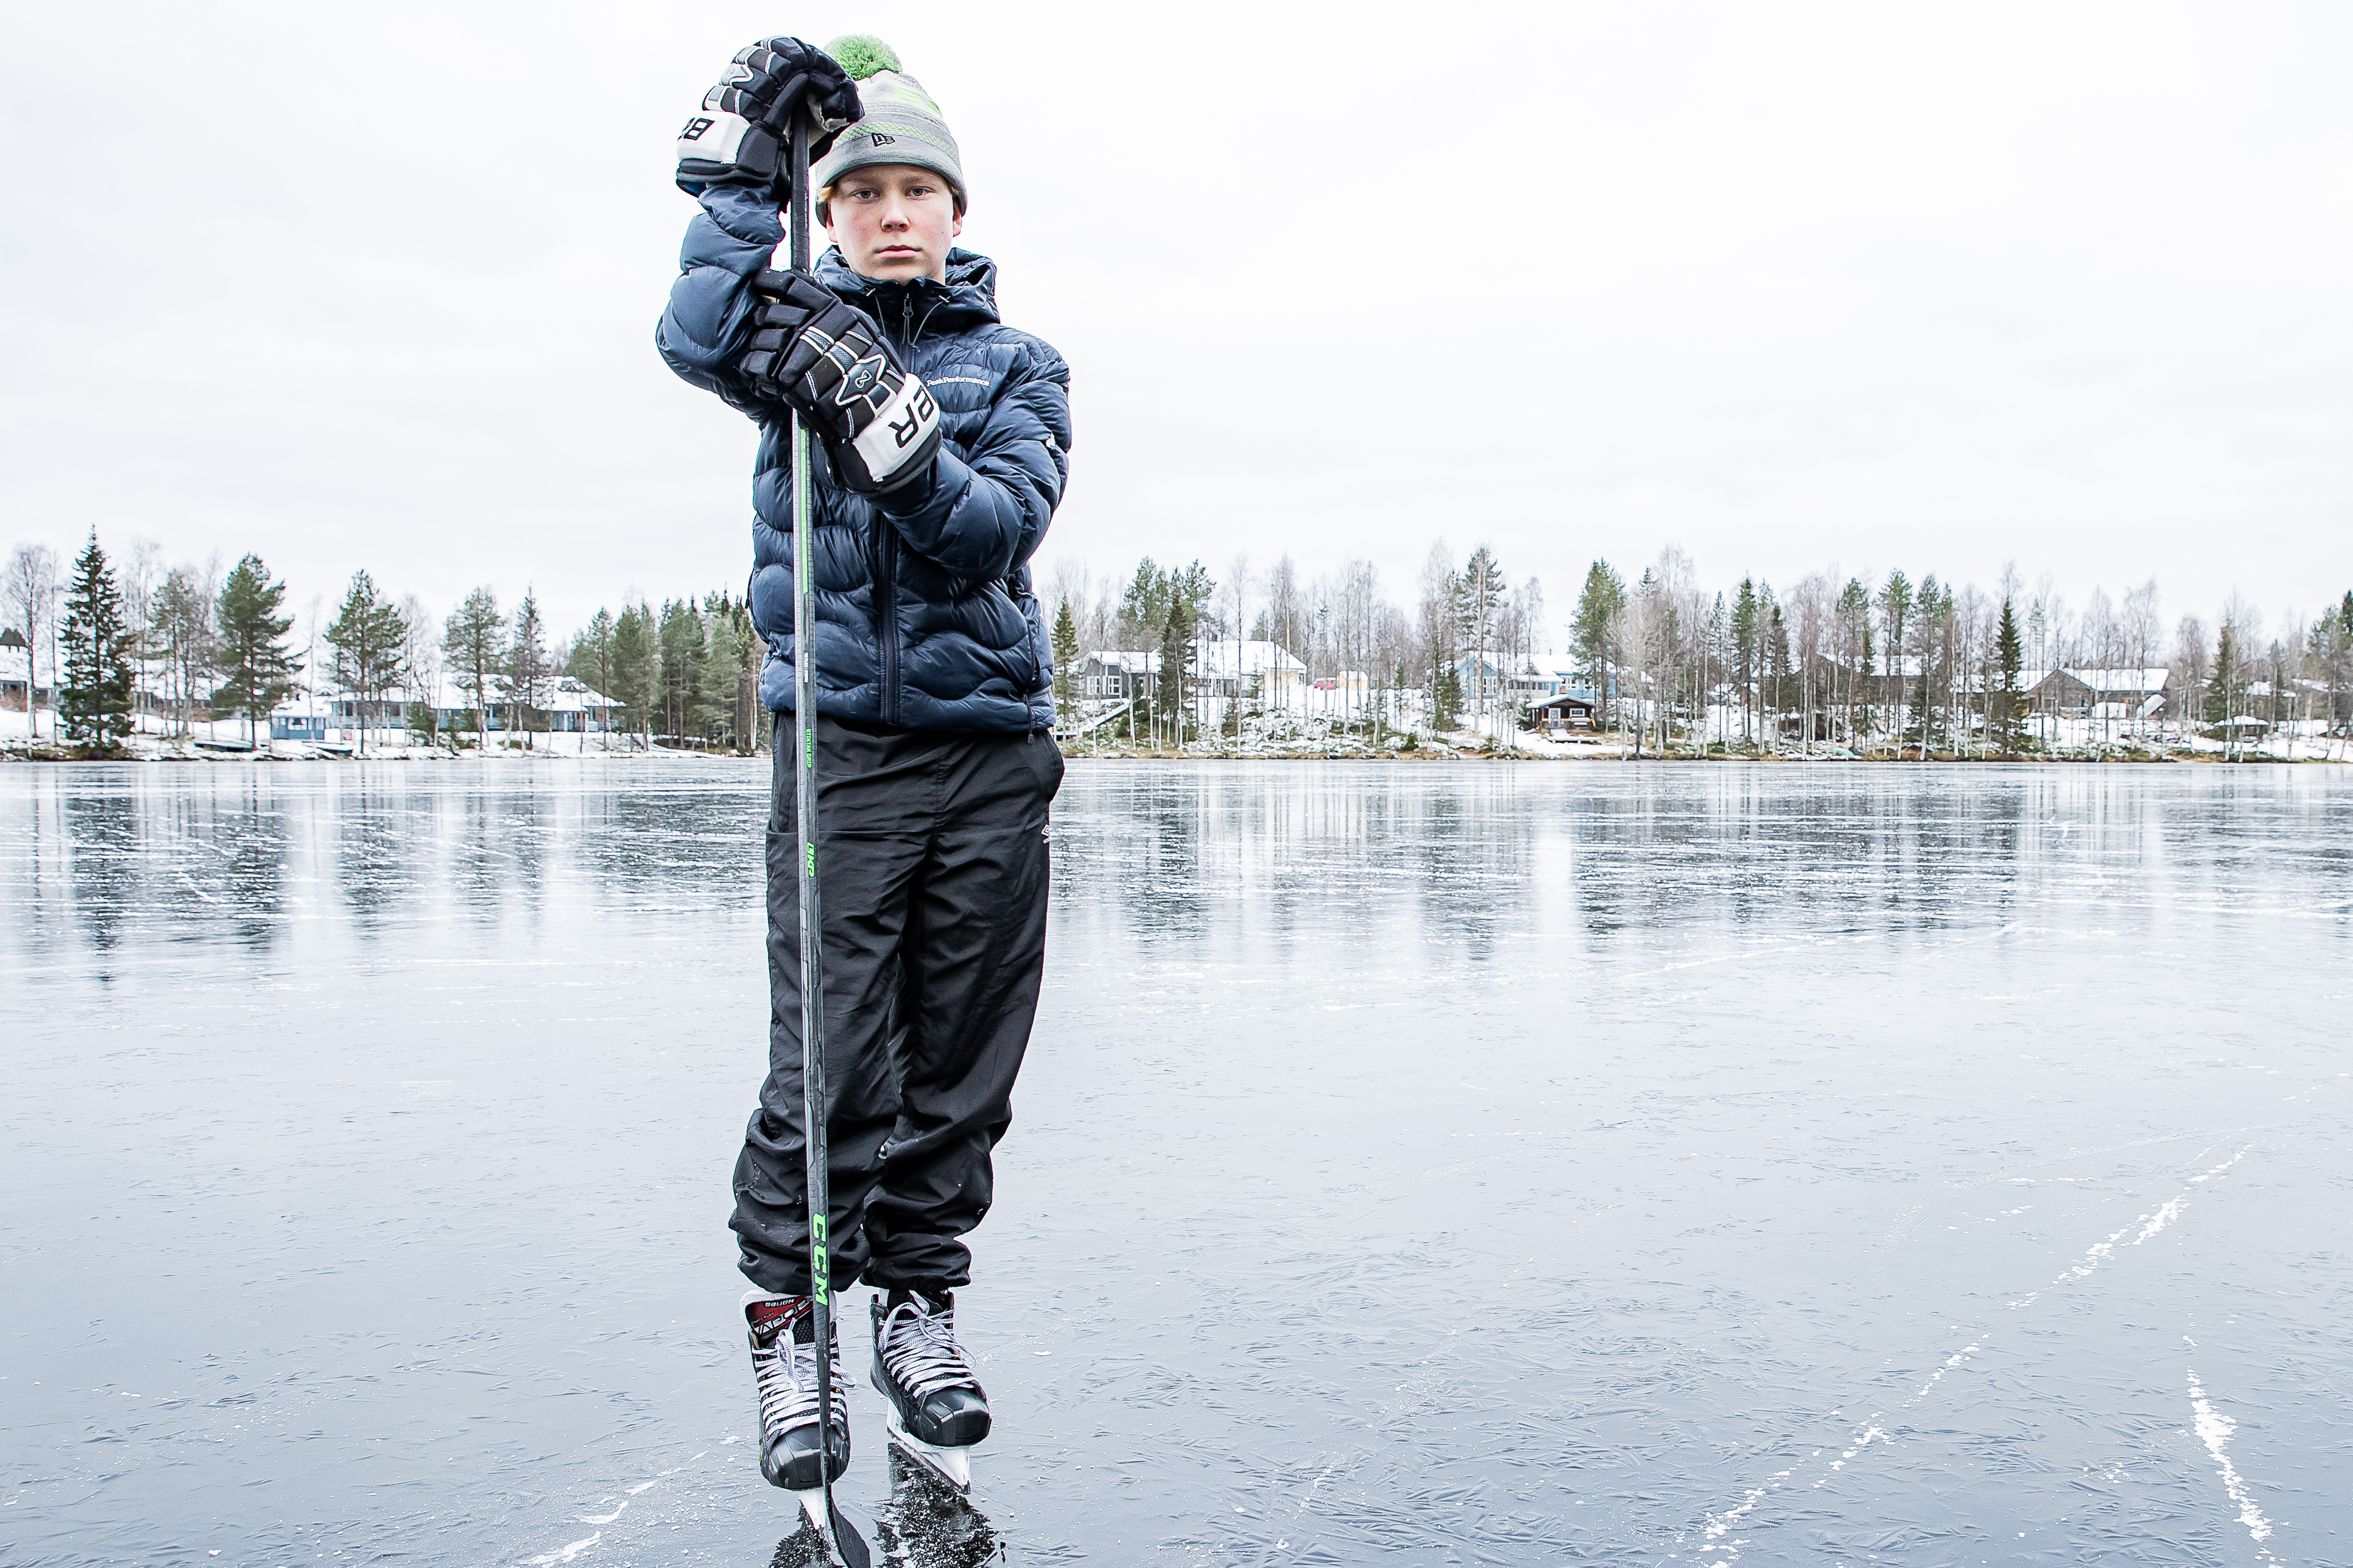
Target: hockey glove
(831, 363)
(740, 134)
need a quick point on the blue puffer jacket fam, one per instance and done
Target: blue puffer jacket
(925, 619)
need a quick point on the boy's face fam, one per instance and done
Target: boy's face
(893, 221)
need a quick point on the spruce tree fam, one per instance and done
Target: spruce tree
(635, 664)
(2226, 693)
(1779, 668)
(257, 664)
(94, 698)
(2010, 652)
(1593, 629)
(1066, 663)
(2338, 658)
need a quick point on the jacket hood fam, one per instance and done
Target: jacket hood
(968, 298)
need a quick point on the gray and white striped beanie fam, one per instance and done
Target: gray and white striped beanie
(901, 124)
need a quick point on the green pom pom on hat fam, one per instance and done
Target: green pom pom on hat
(864, 54)
(900, 125)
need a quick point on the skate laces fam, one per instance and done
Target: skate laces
(919, 1345)
(784, 1368)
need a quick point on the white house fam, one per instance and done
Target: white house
(567, 707)
(1220, 669)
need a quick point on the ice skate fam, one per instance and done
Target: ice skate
(936, 1408)
(784, 1364)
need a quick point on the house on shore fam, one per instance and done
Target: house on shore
(1565, 711)
(568, 708)
(16, 671)
(2094, 693)
(1222, 669)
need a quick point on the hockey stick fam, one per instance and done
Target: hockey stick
(837, 1531)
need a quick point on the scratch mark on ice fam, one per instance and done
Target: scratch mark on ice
(568, 1553)
(2214, 1429)
(2150, 1224)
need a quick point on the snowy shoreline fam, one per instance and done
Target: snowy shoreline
(46, 756)
(223, 742)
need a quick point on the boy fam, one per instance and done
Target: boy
(940, 443)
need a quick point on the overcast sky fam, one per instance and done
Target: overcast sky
(1789, 286)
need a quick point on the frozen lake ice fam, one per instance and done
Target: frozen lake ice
(1503, 1163)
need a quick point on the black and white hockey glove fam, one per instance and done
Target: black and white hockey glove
(740, 134)
(831, 363)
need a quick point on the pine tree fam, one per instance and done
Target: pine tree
(1895, 616)
(1143, 606)
(1066, 663)
(1929, 609)
(182, 621)
(1479, 594)
(529, 671)
(1172, 690)
(370, 639)
(474, 641)
(589, 661)
(94, 698)
(685, 647)
(257, 663)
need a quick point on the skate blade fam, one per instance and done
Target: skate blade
(953, 1465)
(842, 1542)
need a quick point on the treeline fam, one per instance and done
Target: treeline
(1337, 624)
(1932, 663)
(190, 643)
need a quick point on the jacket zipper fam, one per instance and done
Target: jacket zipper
(886, 604)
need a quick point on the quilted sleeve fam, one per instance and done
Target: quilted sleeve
(703, 330)
(981, 517)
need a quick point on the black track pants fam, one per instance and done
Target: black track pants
(933, 858)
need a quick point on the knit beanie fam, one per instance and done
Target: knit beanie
(901, 125)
